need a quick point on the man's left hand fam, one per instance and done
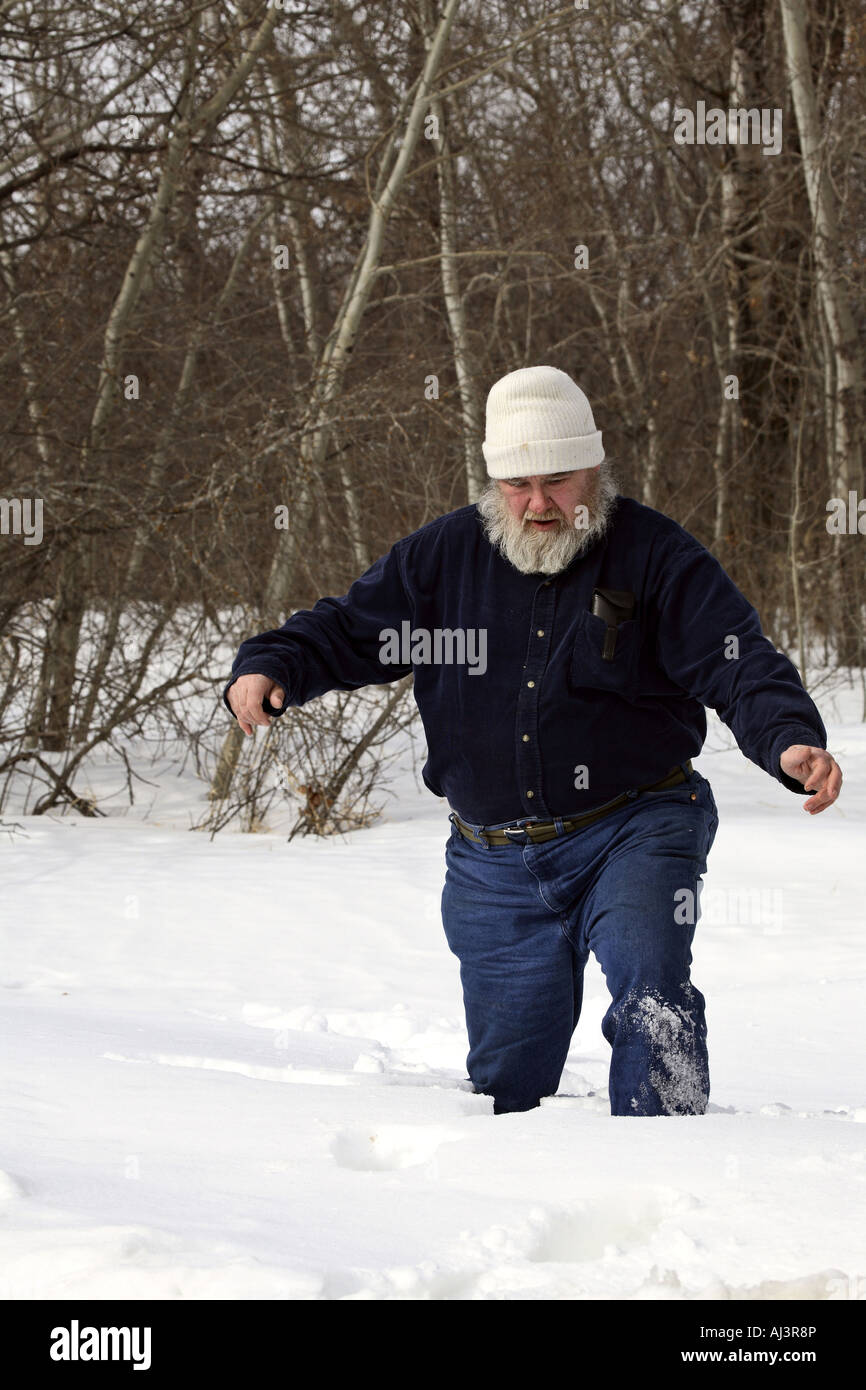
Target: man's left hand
(817, 770)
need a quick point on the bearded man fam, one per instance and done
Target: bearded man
(578, 823)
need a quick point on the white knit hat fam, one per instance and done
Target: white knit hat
(539, 421)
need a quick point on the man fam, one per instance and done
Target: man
(564, 641)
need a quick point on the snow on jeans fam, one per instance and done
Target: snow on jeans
(522, 919)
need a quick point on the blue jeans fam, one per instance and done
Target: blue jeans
(522, 920)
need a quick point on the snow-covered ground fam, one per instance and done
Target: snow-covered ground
(235, 1069)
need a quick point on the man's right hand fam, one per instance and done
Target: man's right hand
(246, 698)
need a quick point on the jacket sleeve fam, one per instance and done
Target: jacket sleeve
(336, 645)
(753, 687)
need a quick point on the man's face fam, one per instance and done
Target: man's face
(549, 501)
(542, 523)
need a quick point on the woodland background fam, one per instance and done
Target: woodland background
(256, 258)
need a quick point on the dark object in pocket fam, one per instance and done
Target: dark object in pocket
(614, 606)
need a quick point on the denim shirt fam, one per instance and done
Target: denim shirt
(523, 716)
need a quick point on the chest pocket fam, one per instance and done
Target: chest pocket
(588, 666)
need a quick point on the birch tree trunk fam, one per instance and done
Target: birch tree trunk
(846, 459)
(464, 365)
(848, 363)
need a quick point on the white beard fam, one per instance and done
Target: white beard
(547, 552)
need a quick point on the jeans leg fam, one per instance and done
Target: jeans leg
(640, 920)
(517, 971)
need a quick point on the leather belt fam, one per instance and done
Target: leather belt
(540, 831)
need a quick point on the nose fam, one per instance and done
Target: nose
(538, 500)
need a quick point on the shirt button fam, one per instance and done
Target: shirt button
(530, 793)
(530, 684)
(526, 738)
(540, 632)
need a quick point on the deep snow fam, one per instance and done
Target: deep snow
(235, 1069)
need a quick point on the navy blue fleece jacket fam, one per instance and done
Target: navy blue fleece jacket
(524, 718)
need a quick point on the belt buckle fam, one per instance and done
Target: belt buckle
(509, 830)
